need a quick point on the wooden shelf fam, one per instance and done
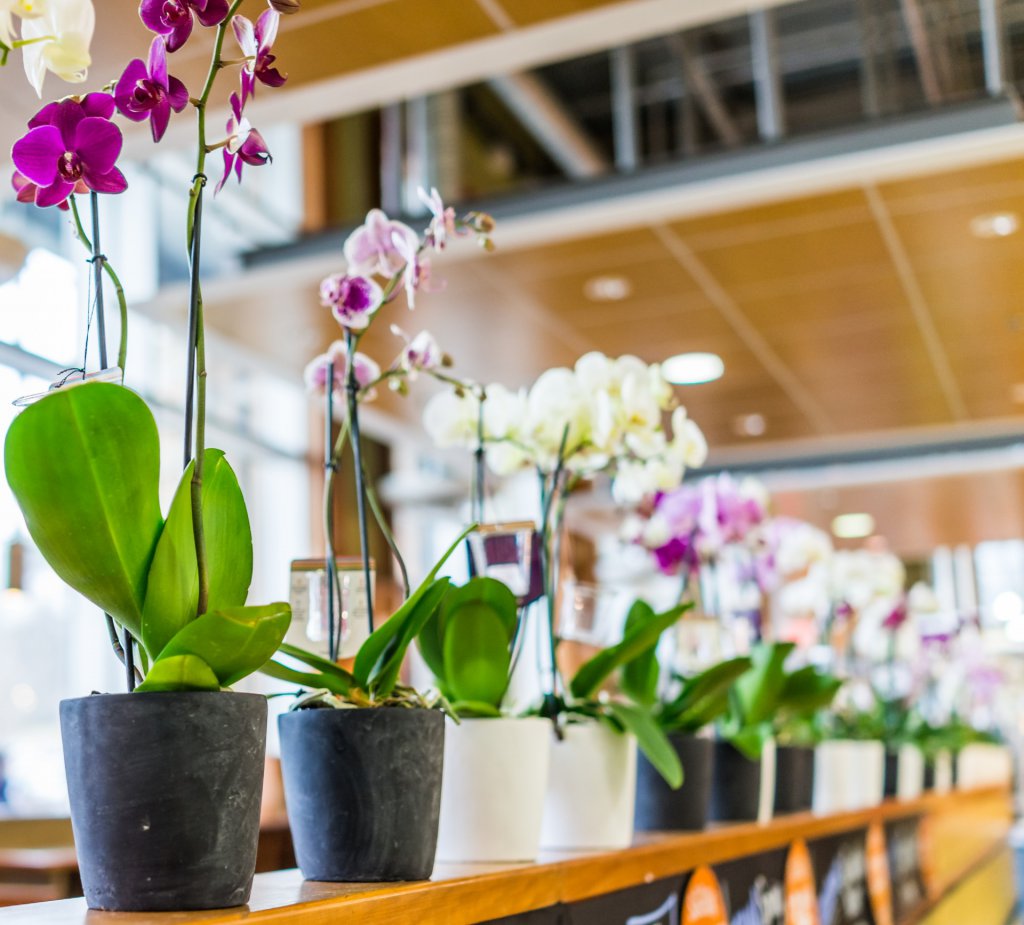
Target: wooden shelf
(971, 824)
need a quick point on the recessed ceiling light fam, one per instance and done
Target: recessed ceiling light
(853, 526)
(607, 288)
(995, 224)
(693, 368)
(750, 425)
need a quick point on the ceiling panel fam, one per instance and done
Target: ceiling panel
(529, 12)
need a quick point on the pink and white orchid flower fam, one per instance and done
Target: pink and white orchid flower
(442, 224)
(379, 246)
(421, 352)
(366, 370)
(353, 300)
(244, 145)
(256, 42)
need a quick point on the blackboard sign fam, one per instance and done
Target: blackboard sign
(656, 903)
(754, 888)
(908, 887)
(840, 870)
(553, 915)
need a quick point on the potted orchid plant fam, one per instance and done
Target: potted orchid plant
(165, 782)
(359, 748)
(603, 416)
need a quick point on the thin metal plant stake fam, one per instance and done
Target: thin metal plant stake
(332, 644)
(479, 486)
(98, 259)
(357, 455)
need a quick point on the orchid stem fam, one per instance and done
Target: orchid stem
(122, 302)
(352, 387)
(197, 337)
(332, 462)
(389, 537)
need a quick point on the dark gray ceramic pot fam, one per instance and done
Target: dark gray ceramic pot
(794, 778)
(736, 787)
(660, 808)
(165, 793)
(363, 789)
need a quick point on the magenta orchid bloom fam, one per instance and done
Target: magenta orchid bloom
(147, 91)
(379, 246)
(256, 42)
(897, 616)
(245, 145)
(27, 191)
(74, 148)
(353, 300)
(366, 370)
(173, 18)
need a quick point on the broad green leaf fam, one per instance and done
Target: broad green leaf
(751, 739)
(84, 466)
(476, 656)
(639, 679)
(594, 673)
(234, 641)
(651, 740)
(468, 709)
(172, 594)
(808, 690)
(310, 680)
(757, 691)
(316, 661)
(704, 697)
(313, 681)
(180, 673)
(383, 682)
(371, 654)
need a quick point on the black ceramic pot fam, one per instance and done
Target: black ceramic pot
(363, 789)
(165, 793)
(929, 774)
(794, 779)
(892, 773)
(736, 785)
(658, 807)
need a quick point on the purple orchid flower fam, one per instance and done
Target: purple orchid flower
(146, 91)
(173, 19)
(27, 191)
(100, 105)
(897, 616)
(256, 42)
(353, 300)
(74, 148)
(245, 145)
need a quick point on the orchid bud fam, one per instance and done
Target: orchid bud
(287, 7)
(447, 361)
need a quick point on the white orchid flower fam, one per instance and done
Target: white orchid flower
(452, 420)
(58, 40)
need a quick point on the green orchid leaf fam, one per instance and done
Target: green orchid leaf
(757, 691)
(651, 740)
(384, 681)
(172, 594)
(469, 709)
(180, 673)
(318, 662)
(807, 690)
(476, 654)
(704, 698)
(309, 680)
(233, 641)
(639, 677)
(750, 740)
(635, 642)
(372, 654)
(84, 466)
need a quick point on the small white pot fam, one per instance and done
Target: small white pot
(867, 774)
(943, 771)
(909, 772)
(983, 765)
(492, 792)
(591, 789)
(766, 798)
(832, 777)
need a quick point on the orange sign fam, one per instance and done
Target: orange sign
(703, 903)
(801, 896)
(879, 882)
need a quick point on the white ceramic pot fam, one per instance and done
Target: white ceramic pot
(983, 765)
(943, 771)
(867, 774)
(910, 773)
(591, 789)
(493, 789)
(766, 798)
(832, 777)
